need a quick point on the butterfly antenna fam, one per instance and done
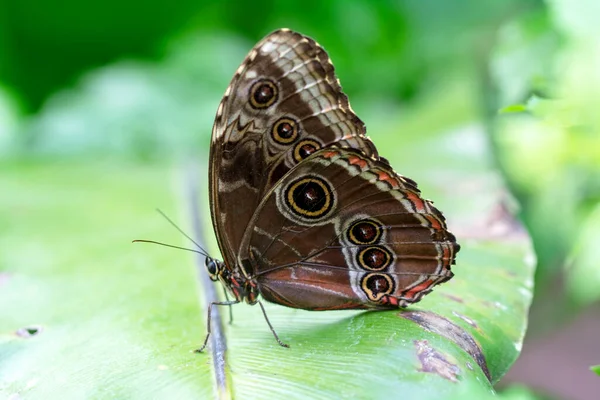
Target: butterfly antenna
(168, 245)
(201, 251)
(183, 233)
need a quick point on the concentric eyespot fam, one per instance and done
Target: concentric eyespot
(263, 94)
(374, 258)
(377, 285)
(285, 131)
(305, 148)
(310, 197)
(365, 231)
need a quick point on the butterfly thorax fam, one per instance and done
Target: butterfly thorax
(239, 286)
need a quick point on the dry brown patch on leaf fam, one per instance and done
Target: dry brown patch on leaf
(439, 325)
(432, 361)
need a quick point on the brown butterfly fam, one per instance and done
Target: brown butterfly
(306, 213)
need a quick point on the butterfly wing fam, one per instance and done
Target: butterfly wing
(283, 104)
(342, 230)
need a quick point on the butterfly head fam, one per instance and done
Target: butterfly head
(214, 268)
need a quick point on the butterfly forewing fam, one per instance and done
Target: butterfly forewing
(283, 104)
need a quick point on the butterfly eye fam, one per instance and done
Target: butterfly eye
(213, 268)
(285, 131)
(263, 94)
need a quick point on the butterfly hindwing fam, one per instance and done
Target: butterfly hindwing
(342, 230)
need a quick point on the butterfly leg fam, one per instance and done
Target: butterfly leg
(271, 326)
(214, 303)
(230, 308)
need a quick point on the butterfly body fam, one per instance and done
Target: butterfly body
(306, 212)
(241, 288)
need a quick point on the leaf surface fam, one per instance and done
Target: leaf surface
(91, 315)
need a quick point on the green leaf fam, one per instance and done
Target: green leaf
(596, 369)
(93, 316)
(90, 315)
(9, 120)
(514, 108)
(520, 392)
(550, 156)
(123, 110)
(583, 275)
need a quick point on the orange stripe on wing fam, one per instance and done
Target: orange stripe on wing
(390, 300)
(356, 160)
(416, 200)
(446, 253)
(385, 177)
(411, 293)
(435, 223)
(330, 154)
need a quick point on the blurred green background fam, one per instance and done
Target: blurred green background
(138, 83)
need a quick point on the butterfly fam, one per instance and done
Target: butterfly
(306, 213)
